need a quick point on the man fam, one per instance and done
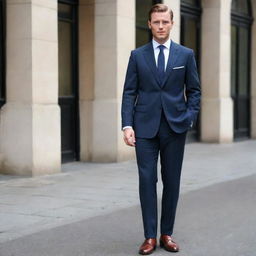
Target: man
(161, 100)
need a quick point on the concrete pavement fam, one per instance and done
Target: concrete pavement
(59, 211)
(217, 220)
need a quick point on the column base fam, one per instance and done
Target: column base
(30, 139)
(217, 120)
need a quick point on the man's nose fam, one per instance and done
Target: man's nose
(161, 25)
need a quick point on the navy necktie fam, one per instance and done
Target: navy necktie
(161, 63)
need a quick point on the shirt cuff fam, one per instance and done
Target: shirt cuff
(126, 127)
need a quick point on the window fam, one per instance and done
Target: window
(190, 37)
(190, 25)
(241, 7)
(68, 78)
(194, 3)
(143, 33)
(2, 52)
(241, 21)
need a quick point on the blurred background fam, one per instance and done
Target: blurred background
(63, 65)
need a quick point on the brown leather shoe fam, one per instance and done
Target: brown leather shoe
(168, 244)
(148, 246)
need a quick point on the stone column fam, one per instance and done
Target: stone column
(175, 6)
(30, 120)
(114, 39)
(253, 74)
(217, 107)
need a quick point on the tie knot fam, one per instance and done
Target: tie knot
(161, 47)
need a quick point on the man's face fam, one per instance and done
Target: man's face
(160, 25)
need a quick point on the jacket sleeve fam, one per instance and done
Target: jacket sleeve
(129, 92)
(193, 91)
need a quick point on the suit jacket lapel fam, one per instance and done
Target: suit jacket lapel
(150, 59)
(173, 55)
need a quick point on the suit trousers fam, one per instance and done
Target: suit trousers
(170, 145)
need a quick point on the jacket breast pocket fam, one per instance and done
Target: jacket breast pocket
(179, 68)
(178, 73)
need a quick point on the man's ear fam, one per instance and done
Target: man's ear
(149, 24)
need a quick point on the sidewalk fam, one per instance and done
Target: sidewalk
(86, 190)
(216, 220)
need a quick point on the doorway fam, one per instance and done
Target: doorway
(2, 52)
(241, 20)
(190, 36)
(68, 79)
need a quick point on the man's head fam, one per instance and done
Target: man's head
(160, 21)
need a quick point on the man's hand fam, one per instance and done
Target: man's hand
(129, 137)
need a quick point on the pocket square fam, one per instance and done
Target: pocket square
(178, 67)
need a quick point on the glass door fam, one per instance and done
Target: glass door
(240, 66)
(2, 52)
(190, 37)
(68, 79)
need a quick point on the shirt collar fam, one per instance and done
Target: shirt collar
(167, 44)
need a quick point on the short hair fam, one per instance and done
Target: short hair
(160, 8)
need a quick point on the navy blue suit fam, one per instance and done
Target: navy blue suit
(160, 112)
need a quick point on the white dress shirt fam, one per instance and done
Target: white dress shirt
(167, 45)
(156, 49)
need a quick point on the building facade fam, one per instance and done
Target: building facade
(63, 64)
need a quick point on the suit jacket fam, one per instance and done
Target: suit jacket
(144, 97)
